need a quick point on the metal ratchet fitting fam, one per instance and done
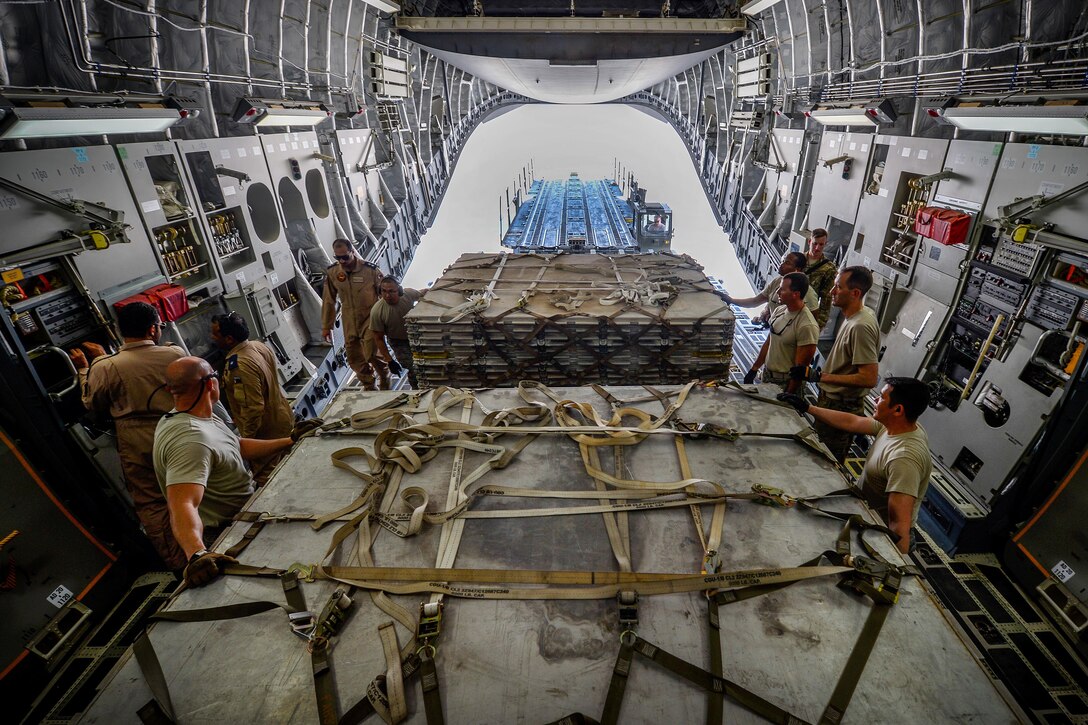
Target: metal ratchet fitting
(302, 624)
(628, 610)
(333, 614)
(430, 623)
(771, 496)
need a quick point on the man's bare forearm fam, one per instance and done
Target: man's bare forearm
(843, 421)
(254, 448)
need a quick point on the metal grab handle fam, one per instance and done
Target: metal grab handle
(1037, 359)
(71, 367)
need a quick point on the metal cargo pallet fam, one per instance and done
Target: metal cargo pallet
(648, 515)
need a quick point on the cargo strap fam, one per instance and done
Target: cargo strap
(409, 667)
(632, 644)
(389, 702)
(575, 584)
(715, 705)
(884, 592)
(161, 709)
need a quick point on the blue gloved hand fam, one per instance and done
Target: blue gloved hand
(749, 377)
(395, 367)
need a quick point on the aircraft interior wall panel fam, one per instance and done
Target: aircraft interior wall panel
(974, 164)
(997, 447)
(299, 180)
(169, 209)
(881, 249)
(788, 144)
(59, 564)
(937, 272)
(249, 206)
(833, 195)
(1028, 170)
(750, 175)
(916, 324)
(92, 174)
(354, 154)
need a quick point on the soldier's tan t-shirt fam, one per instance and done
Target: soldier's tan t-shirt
(897, 464)
(389, 319)
(206, 452)
(789, 331)
(858, 343)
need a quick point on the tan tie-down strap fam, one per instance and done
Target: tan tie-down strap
(404, 445)
(575, 584)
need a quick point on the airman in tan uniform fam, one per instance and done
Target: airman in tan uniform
(821, 273)
(355, 282)
(128, 386)
(251, 389)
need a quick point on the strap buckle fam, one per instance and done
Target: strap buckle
(265, 516)
(880, 581)
(772, 496)
(302, 624)
(430, 622)
(333, 614)
(701, 431)
(305, 571)
(628, 610)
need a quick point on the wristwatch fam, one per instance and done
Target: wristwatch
(197, 555)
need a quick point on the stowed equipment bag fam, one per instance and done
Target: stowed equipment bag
(947, 226)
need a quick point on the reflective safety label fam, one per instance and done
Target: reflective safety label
(1063, 571)
(59, 596)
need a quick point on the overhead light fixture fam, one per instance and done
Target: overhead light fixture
(867, 114)
(52, 116)
(1064, 120)
(386, 6)
(264, 112)
(755, 7)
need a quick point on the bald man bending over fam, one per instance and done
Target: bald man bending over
(201, 466)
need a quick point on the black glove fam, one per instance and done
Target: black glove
(305, 428)
(805, 372)
(799, 403)
(203, 569)
(749, 377)
(395, 367)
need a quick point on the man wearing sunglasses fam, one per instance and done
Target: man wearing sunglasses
(201, 466)
(793, 335)
(127, 386)
(355, 282)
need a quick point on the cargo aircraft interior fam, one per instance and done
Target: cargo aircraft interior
(248, 475)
